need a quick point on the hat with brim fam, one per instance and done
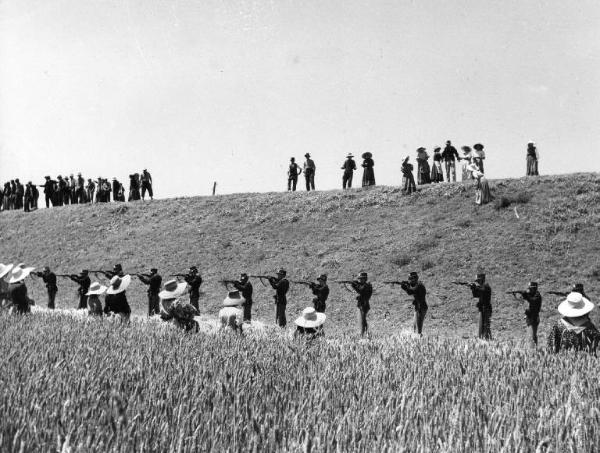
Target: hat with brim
(349, 156)
(5, 269)
(367, 155)
(233, 299)
(478, 146)
(118, 284)
(310, 318)
(172, 289)
(421, 149)
(96, 288)
(20, 274)
(575, 305)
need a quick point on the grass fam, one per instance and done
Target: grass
(439, 231)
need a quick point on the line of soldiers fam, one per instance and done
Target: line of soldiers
(73, 190)
(363, 289)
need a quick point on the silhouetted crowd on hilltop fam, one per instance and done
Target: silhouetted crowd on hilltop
(73, 190)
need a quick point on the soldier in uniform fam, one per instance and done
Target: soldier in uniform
(154, 280)
(244, 286)
(281, 285)
(321, 292)
(482, 291)
(365, 291)
(293, 171)
(532, 313)
(146, 184)
(194, 280)
(84, 282)
(80, 195)
(49, 187)
(309, 172)
(49, 279)
(416, 288)
(348, 166)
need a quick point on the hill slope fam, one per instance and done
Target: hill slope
(439, 232)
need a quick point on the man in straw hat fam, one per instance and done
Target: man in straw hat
(244, 286)
(348, 166)
(231, 315)
(49, 279)
(310, 324)
(194, 279)
(116, 301)
(84, 282)
(574, 330)
(173, 310)
(153, 280)
(94, 305)
(281, 285)
(4, 272)
(416, 288)
(17, 290)
(482, 291)
(365, 291)
(309, 172)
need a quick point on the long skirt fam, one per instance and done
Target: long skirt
(437, 175)
(408, 184)
(368, 177)
(423, 172)
(532, 166)
(466, 174)
(483, 194)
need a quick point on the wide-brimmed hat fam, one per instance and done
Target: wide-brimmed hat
(233, 299)
(350, 155)
(172, 289)
(96, 288)
(118, 284)
(18, 274)
(421, 149)
(310, 318)
(437, 149)
(478, 146)
(307, 155)
(575, 305)
(367, 155)
(5, 269)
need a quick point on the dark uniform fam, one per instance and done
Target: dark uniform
(146, 184)
(365, 291)
(417, 289)
(293, 172)
(348, 166)
(49, 279)
(194, 280)
(281, 286)
(84, 282)
(244, 286)
(483, 292)
(321, 291)
(153, 281)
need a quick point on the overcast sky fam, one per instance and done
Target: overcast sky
(228, 91)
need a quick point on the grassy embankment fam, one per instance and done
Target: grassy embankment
(439, 232)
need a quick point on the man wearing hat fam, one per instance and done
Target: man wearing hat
(84, 282)
(49, 187)
(281, 285)
(309, 172)
(231, 314)
(575, 330)
(17, 291)
(348, 166)
(154, 280)
(532, 313)
(417, 289)
(146, 184)
(482, 291)
(310, 324)
(365, 291)
(450, 155)
(321, 292)
(116, 300)
(117, 270)
(194, 280)
(578, 288)
(90, 188)
(293, 171)
(49, 279)
(244, 286)
(172, 309)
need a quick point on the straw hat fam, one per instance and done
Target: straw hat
(5, 269)
(172, 289)
(96, 288)
(20, 274)
(349, 156)
(233, 299)
(575, 305)
(118, 284)
(310, 318)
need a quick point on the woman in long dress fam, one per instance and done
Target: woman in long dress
(368, 173)
(423, 167)
(408, 178)
(532, 159)
(482, 193)
(437, 174)
(466, 158)
(479, 156)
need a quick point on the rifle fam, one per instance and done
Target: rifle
(105, 273)
(514, 293)
(470, 285)
(142, 275)
(344, 282)
(402, 283)
(177, 275)
(557, 293)
(302, 282)
(227, 282)
(261, 277)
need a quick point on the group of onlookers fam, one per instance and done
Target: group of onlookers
(73, 190)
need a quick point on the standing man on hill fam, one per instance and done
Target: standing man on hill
(416, 288)
(20, 193)
(294, 171)
(482, 291)
(244, 286)
(154, 280)
(450, 156)
(348, 166)
(365, 291)
(49, 186)
(281, 285)
(309, 172)
(194, 280)
(84, 282)
(49, 279)
(146, 184)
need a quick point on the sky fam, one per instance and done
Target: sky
(228, 91)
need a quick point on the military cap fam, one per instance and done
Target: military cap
(322, 277)
(480, 275)
(193, 269)
(84, 271)
(533, 284)
(413, 275)
(153, 269)
(307, 155)
(281, 272)
(578, 287)
(362, 275)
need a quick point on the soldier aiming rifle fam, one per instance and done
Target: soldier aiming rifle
(153, 280)
(320, 291)
(532, 313)
(244, 286)
(364, 291)
(482, 291)
(415, 288)
(281, 285)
